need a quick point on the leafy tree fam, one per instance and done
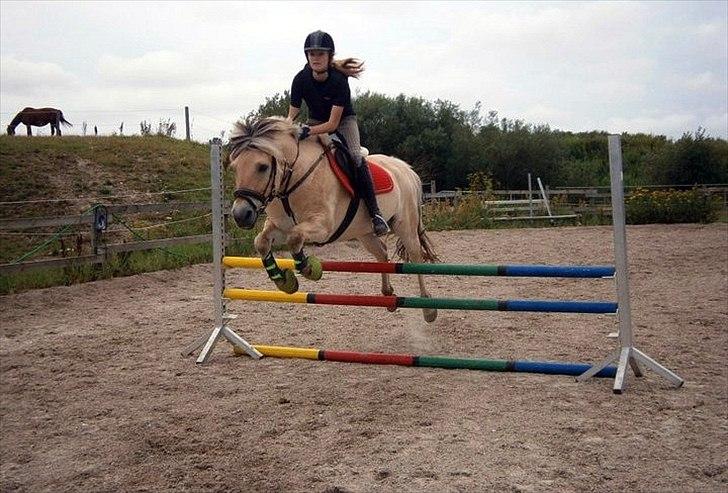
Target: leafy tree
(447, 144)
(692, 159)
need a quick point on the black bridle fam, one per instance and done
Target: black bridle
(283, 191)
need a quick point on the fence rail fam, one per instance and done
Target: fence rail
(578, 200)
(101, 250)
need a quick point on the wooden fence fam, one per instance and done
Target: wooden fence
(510, 205)
(90, 223)
(578, 200)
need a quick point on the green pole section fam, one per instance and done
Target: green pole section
(448, 303)
(464, 363)
(450, 269)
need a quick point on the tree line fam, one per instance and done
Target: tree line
(450, 145)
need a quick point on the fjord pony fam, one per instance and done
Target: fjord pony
(305, 203)
(38, 117)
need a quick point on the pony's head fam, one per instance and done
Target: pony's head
(256, 148)
(11, 130)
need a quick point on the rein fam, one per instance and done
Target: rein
(251, 196)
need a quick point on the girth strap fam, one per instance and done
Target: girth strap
(345, 223)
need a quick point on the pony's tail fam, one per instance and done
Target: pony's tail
(426, 247)
(63, 120)
(351, 67)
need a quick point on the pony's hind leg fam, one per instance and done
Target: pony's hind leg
(378, 248)
(412, 252)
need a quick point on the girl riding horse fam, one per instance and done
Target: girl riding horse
(323, 85)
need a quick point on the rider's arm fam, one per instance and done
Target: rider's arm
(292, 113)
(331, 125)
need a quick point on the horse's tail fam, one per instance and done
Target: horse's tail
(426, 247)
(63, 120)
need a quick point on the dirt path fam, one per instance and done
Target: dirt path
(95, 396)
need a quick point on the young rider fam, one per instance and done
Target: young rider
(323, 84)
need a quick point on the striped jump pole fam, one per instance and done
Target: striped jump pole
(393, 302)
(577, 271)
(520, 366)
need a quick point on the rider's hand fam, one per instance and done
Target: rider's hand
(303, 132)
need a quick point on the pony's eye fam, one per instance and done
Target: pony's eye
(263, 167)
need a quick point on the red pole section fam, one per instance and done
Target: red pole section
(352, 300)
(372, 267)
(368, 358)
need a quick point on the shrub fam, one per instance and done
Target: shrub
(469, 212)
(671, 206)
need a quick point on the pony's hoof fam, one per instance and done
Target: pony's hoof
(313, 270)
(392, 309)
(289, 283)
(430, 315)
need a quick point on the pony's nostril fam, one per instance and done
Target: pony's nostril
(244, 216)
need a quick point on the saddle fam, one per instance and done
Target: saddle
(344, 168)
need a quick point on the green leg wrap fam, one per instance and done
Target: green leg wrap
(285, 280)
(274, 272)
(309, 267)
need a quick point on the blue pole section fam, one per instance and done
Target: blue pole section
(574, 369)
(559, 271)
(559, 306)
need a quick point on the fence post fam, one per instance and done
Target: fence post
(530, 197)
(187, 121)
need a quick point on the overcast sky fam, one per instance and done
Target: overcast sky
(626, 66)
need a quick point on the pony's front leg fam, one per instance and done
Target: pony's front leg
(308, 266)
(285, 280)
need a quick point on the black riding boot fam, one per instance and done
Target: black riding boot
(366, 189)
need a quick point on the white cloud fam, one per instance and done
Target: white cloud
(157, 68)
(672, 124)
(705, 81)
(33, 78)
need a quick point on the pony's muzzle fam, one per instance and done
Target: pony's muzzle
(245, 214)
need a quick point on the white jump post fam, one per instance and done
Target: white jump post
(626, 354)
(218, 251)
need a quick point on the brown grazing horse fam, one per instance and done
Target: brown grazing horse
(38, 117)
(305, 203)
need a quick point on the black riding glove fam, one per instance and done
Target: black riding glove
(303, 132)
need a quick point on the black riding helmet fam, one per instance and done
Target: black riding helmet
(319, 40)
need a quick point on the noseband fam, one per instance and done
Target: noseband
(284, 191)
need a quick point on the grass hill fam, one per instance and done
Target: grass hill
(51, 176)
(41, 168)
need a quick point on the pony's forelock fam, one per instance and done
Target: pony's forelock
(261, 134)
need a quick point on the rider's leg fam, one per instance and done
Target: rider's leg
(350, 131)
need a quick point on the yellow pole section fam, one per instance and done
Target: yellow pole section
(288, 352)
(255, 263)
(282, 352)
(258, 295)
